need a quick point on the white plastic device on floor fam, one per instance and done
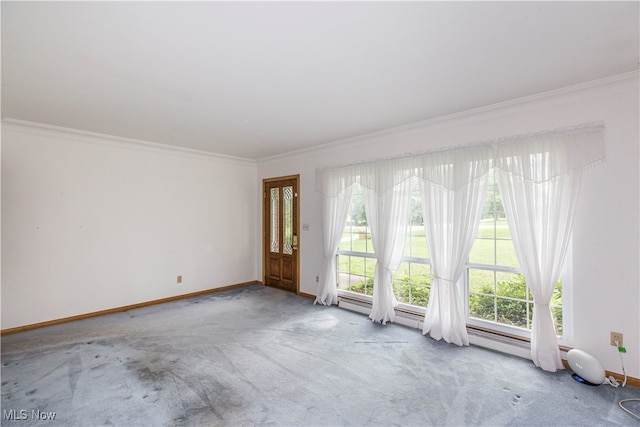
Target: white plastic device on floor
(587, 368)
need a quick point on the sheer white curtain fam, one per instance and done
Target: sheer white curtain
(453, 185)
(337, 187)
(387, 192)
(539, 178)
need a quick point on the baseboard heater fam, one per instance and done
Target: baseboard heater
(482, 338)
(412, 320)
(501, 343)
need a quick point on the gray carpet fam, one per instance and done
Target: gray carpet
(261, 356)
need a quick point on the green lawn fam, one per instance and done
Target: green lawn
(485, 249)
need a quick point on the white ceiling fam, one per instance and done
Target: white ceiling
(254, 80)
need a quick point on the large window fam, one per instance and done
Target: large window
(496, 291)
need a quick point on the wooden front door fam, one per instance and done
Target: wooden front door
(280, 244)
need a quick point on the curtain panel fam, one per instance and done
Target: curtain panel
(337, 186)
(387, 195)
(539, 179)
(453, 186)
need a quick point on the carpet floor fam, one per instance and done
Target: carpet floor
(261, 356)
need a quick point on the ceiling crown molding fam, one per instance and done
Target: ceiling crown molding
(118, 139)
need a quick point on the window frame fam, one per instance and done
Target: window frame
(491, 326)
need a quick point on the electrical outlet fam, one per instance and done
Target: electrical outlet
(616, 336)
(179, 279)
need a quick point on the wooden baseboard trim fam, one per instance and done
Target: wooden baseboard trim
(123, 308)
(630, 380)
(306, 295)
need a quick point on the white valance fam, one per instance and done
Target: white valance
(335, 181)
(560, 151)
(455, 169)
(572, 147)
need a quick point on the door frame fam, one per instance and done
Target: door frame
(296, 230)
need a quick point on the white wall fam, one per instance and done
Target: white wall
(92, 223)
(606, 235)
